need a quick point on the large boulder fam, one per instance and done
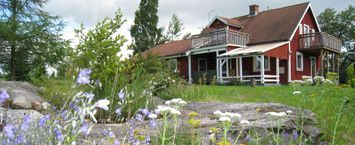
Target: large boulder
(255, 113)
(23, 95)
(15, 117)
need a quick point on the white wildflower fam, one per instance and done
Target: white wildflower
(244, 121)
(218, 113)
(233, 115)
(279, 114)
(152, 116)
(103, 104)
(289, 112)
(296, 92)
(224, 119)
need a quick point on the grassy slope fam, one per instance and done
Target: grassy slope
(323, 101)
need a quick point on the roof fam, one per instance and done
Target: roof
(170, 48)
(275, 25)
(255, 49)
(272, 25)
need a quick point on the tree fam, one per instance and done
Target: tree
(98, 48)
(145, 32)
(175, 27)
(187, 36)
(341, 25)
(31, 38)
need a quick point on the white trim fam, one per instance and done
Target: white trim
(299, 22)
(315, 61)
(262, 69)
(214, 19)
(212, 48)
(255, 64)
(189, 67)
(198, 64)
(299, 68)
(278, 70)
(289, 63)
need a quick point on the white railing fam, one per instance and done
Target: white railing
(220, 37)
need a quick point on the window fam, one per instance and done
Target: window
(173, 64)
(306, 30)
(257, 63)
(299, 61)
(300, 29)
(202, 64)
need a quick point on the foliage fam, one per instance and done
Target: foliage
(145, 32)
(339, 24)
(324, 101)
(174, 29)
(30, 39)
(98, 48)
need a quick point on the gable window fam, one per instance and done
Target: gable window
(299, 61)
(173, 64)
(306, 30)
(202, 64)
(257, 63)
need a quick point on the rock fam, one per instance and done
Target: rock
(15, 117)
(253, 112)
(45, 106)
(23, 94)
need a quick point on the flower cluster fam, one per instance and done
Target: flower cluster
(3, 97)
(227, 116)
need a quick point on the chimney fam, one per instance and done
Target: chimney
(253, 10)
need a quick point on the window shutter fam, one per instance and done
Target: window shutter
(300, 29)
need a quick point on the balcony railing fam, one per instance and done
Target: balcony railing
(319, 40)
(220, 37)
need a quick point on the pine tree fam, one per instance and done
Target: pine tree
(145, 32)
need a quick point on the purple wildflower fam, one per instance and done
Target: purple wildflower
(145, 111)
(138, 117)
(84, 129)
(25, 123)
(20, 139)
(117, 142)
(9, 131)
(42, 121)
(118, 111)
(295, 135)
(247, 138)
(152, 123)
(147, 140)
(83, 77)
(89, 96)
(111, 134)
(58, 134)
(3, 96)
(121, 95)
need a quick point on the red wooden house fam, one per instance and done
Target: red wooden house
(273, 46)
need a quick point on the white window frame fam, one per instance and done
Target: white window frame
(307, 41)
(173, 61)
(300, 29)
(299, 68)
(255, 63)
(198, 64)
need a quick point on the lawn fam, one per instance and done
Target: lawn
(325, 102)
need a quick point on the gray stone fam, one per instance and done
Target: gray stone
(259, 121)
(23, 95)
(15, 117)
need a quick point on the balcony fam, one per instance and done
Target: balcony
(318, 41)
(220, 37)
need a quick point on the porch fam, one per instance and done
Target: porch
(259, 63)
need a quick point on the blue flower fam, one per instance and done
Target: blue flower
(83, 77)
(58, 134)
(118, 111)
(3, 96)
(9, 131)
(117, 142)
(152, 123)
(295, 135)
(147, 140)
(145, 111)
(26, 121)
(121, 95)
(111, 134)
(89, 96)
(139, 117)
(84, 129)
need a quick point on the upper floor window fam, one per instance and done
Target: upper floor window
(299, 61)
(257, 63)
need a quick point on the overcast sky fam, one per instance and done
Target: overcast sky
(195, 14)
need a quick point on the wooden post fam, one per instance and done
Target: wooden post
(240, 69)
(262, 69)
(227, 63)
(217, 66)
(277, 71)
(189, 65)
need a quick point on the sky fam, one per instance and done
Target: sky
(195, 14)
